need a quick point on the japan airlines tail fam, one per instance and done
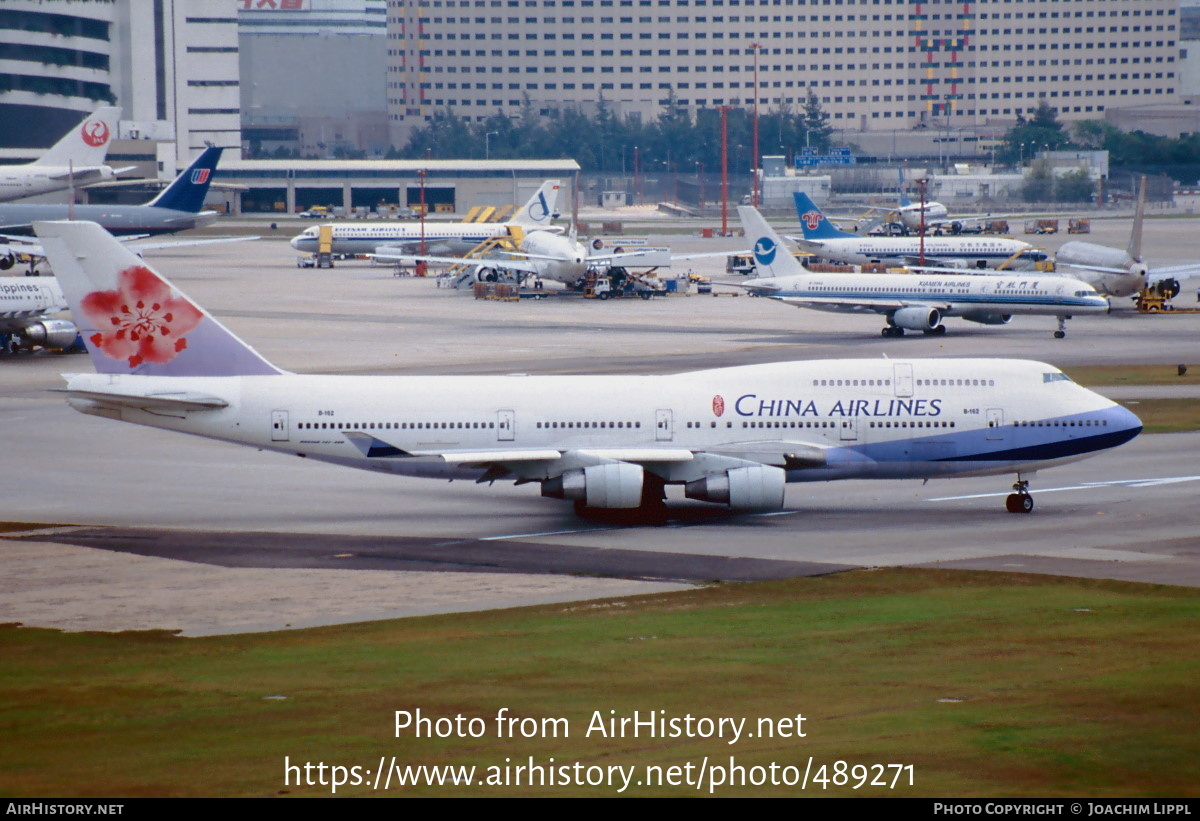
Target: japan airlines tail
(733, 436)
(76, 159)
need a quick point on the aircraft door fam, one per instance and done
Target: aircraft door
(849, 430)
(664, 425)
(279, 426)
(995, 421)
(904, 379)
(506, 425)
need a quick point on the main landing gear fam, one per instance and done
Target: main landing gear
(1019, 501)
(1062, 327)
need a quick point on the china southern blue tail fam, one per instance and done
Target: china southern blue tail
(904, 200)
(132, 320)
(771, 257)
(189, 189)
(814, 223)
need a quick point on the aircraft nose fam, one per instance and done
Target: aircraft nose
(1124, 423)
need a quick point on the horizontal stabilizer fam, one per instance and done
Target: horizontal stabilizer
(173, 401)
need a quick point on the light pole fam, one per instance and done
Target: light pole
(754, 159)
(487, 144)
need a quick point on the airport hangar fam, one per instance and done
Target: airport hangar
(355, 186)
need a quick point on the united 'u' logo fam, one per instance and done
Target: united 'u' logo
(200, 176)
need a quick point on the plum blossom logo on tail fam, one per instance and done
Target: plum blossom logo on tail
(142, 320)
(95, 133)
(718, 405)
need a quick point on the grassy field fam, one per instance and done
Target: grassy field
(986, 684)
(1102, 375)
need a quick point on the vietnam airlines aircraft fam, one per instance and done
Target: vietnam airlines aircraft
(914, 301)
(76, 159)
(733, 436)
(823, 240)
(441, 238)
(26, 304)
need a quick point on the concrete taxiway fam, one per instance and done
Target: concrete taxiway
(1128, 514)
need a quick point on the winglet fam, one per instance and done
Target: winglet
(771, 257)
(86, 144)
(540, 209)
(813, 221)
(132, 320)
(189, 189)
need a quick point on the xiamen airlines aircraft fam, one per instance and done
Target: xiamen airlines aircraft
(914, 301)
(733, 436)
(823, 240)
(441, 238)
(76, 159)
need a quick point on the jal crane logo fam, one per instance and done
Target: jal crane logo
(95, 133)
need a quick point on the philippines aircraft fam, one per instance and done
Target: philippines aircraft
(1120, 273)
(176, 208)
(914, 301)
(441, 238)
(76, 159)
(26, 306)
(823, 240)
(732, 436)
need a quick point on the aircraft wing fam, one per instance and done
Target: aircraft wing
(507, 264)
(549, 462)
(881, 305)
(182, 243)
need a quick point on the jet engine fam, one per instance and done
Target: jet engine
(617, 485)
(758, 487)
(917, 319)
(57, 334)
(988, 319)
(7, 261)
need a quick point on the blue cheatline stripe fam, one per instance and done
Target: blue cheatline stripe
(1064, 302)
(1051, 450)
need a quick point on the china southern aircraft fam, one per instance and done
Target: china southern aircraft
(914, 301)
(76, 159)
(824, 241)
(441, 238)
(176, 208)
(732, 436)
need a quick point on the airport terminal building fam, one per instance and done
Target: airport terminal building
(875, 65)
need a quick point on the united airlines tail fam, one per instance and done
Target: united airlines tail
(86, 144)
(813, 223)
(771, 257)
(189, 189)
(540, 209)
(132, 320)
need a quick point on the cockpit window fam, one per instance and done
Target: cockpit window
(1055, 377)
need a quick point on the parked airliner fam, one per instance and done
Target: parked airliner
(824, 241)
(733, 436)
(76, 159)
(914, 301)
(441, 238)
(26, 306)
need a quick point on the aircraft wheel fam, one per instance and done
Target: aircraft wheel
(1019, 503)
(1060, 334)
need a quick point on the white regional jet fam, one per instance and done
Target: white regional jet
(1120, 273)
(76, 159)
(26, 304)
(731, 435)
(823, 240)
(914, 301)
(441, 238)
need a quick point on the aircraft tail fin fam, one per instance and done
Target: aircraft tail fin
(771, 257)
(1135, 236)
(542, 206)
(132, 320)
(904, 200)
(85, 144)
(189, 189)
(813, 222)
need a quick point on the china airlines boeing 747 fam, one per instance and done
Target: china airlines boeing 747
(732, 436)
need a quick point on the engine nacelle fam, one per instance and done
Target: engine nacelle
(58, 334)
(7, 261)
(759, 487)
(988, 319)
(617, 485)
(917, 319)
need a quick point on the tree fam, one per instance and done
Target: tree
(1039, 183)
(1042, 132)
(1074, 186)
(818, 133)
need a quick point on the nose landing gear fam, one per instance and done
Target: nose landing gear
(1019, 501)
